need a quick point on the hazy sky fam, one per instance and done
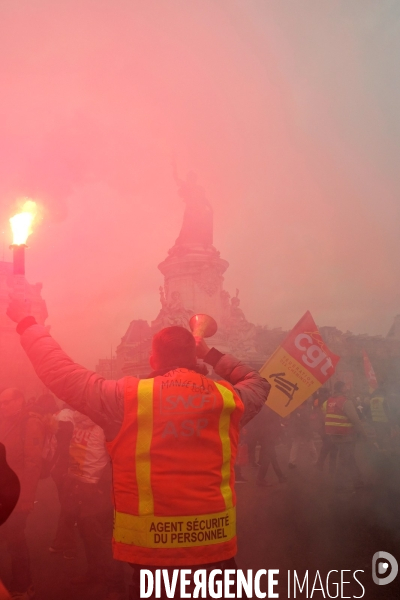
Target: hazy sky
(287, 110)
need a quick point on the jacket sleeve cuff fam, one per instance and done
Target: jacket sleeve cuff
(212, 357)
(25, 323)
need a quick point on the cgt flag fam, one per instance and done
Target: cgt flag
(369, 373)
(300, 365)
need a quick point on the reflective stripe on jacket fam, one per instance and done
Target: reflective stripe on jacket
(336, 421)
(378, 413)
(173, 470)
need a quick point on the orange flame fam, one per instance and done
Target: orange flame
(22, 222)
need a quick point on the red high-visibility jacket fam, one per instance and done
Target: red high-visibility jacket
(173, 470)
(336, 420)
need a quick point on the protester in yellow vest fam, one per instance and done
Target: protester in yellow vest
(172, 439)
(380, 416)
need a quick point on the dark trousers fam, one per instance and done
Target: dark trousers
(65, 535)
(96, 534)
(134, 588)
(382, 432)
(252, 444)
(267, 457)
(14, 534)
(347, 472)
(327, 449)
(84, 505)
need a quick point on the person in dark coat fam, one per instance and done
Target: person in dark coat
(9, 487)
(300, 425)
(265, 430)
(22, 432)
(9, 493)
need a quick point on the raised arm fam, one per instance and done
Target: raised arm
(247, 382)
(84, 390)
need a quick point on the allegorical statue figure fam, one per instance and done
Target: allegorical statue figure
(197, 226)
(172, 312)
(240, 333)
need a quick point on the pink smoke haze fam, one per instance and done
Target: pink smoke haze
(288, 113)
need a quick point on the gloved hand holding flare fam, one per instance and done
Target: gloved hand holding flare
(21, 225)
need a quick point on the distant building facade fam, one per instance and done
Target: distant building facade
(107, 368)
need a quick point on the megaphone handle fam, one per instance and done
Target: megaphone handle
(201, 347)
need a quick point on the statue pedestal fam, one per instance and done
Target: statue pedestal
(193, 276)
(193, 283)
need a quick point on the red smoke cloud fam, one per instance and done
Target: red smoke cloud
(277, 109)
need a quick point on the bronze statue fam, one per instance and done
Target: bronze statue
(197, 226)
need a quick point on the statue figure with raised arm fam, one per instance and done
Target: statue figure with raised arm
(197, 226)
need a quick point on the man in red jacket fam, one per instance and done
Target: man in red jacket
(172, 439)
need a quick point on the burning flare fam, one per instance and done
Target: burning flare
(22, 222)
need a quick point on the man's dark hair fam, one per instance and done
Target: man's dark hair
(323, 395)
(174, 347)
(339, 387)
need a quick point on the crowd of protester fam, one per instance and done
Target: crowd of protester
(43, 439)
(375, 422)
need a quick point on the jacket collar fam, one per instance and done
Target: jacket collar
(202, 369)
